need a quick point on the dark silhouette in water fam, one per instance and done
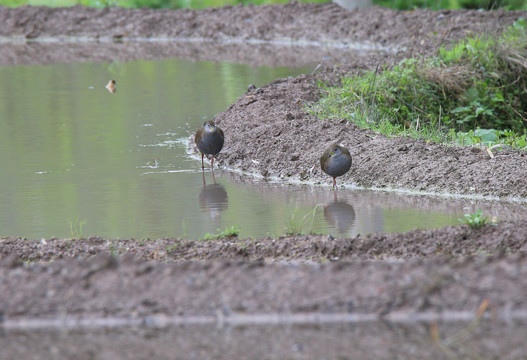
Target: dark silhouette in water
(213, 198)
(340, 215)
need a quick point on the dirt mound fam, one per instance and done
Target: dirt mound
(108, 285)
(274, 118)
(321, 23)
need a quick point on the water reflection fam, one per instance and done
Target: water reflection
(213, 198)
(254, 55)
(340, 215)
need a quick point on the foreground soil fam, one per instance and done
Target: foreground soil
(453, 270)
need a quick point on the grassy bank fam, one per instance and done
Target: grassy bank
(472, 92)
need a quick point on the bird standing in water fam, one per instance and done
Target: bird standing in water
(336, 161)
(209, 140)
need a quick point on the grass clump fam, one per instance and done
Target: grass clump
(476, 220)
(76, 227)
(233, 231)
(299, 224)
(478, 84)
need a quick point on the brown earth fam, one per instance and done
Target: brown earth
(441, 274)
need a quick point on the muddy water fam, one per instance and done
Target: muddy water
(79, 160)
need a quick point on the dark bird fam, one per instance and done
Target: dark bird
(336, 161)
(209, 140)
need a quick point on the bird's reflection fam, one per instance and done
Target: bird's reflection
(340, 215)
(213, 198)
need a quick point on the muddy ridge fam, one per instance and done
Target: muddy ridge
(452, 241)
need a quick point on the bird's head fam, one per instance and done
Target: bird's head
(209, 126)
(335, 151)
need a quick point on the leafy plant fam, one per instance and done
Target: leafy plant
(490, 137)
(233, 231)
(475, 220)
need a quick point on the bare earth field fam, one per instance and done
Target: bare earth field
(409, 296)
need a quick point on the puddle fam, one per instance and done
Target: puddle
(419, 340)
(273, 54)
(79, 160)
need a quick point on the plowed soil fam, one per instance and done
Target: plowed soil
(422, 274)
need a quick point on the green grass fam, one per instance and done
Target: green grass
(76, 226)
(233, 231)
(474, 90)
(114, 250)
(300, 224)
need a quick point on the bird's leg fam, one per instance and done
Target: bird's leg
(212, 163)
(213, 179)
(202, 167)
(334, 183)
(203, 176)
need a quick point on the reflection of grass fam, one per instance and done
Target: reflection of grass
(233, 231)
(298, 224)
(185, 229)
(460, 338)
(76, 227)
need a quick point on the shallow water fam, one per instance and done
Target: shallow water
(78, 160)
(370, 340)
